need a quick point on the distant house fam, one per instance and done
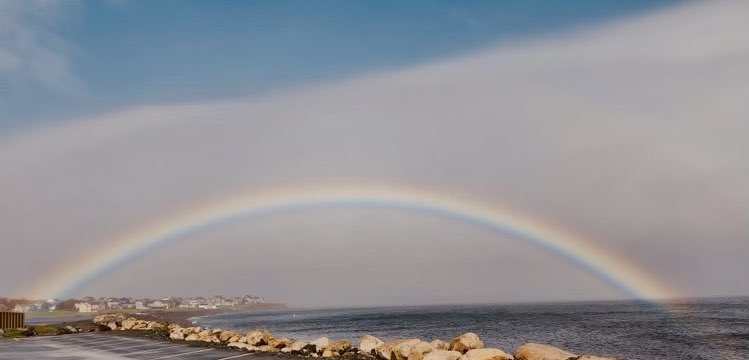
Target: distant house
(125, 303)
(3, 307)
(113, 305)
(140, 305)
(84, 307)
(158, 304)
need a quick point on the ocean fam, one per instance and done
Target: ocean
(695, 329)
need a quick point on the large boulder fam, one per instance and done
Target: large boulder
(298, 345)
(320, 344)
(485, 354)
(225, 335)
(442, 355)
(112, 325)
(466, 341)
(369, 343)
(387, 350)
(533, 351)
(440, 345)
(258, 337)
(176, 335)
(418, 351)
(128, 323)
(152, 325)
(192, 337)
(279, 343)
(339, 346)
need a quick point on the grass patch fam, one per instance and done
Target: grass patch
(13, 333)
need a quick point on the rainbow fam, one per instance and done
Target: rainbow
(577, 251)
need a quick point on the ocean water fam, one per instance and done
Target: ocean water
(695, 329)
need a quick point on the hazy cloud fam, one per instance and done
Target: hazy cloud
(633, 133)
(32, 55)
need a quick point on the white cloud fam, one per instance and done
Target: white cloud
(32, 55)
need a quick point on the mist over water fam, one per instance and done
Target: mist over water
(694, 329)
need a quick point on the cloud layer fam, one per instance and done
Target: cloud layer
(633, 133)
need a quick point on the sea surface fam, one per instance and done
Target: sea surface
(694, 329)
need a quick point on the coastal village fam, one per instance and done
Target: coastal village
(91, 304)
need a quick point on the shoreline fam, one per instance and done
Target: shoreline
(176, 327)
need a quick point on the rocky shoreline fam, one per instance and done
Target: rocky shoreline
(466, 346)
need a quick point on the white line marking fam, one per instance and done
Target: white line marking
(180, 354)
(152, 350)
(131, 346)
(236, 356)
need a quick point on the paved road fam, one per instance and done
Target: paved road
(98, 346)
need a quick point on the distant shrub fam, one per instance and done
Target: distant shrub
(45, 330)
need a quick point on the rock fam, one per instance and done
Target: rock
(139, 325)
(327, 353)
(112, 325)
(369, 343)
(339, 346)
(2, 332)
(155, 325)
(388, 348)
(216, 331)
(252, 348)
(320, 344)
(299, 345)
(266, 348)
(237, 345)
(485, 354)
(279, 343)
(242, 339)
(71, 329)
(418, 351)
(192, 337)
(442, 355)
(258, 337)
(440, 345)
(466, 341)
(533, 351)
(224, 336)
(591, 357)
(129, 323)
(176, 335)
(286, 350)
(233, 339)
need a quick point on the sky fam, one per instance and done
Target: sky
(625, 123)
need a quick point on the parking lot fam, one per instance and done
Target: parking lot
(99, 346)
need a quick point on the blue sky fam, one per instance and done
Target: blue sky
(123, 53)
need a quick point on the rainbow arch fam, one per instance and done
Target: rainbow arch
(576, 250)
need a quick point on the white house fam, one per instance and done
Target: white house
(84, 307)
